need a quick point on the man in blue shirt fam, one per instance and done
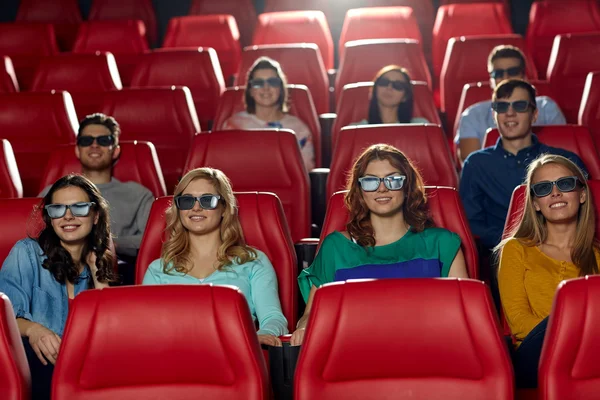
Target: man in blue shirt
(490, 175)
(505, 62)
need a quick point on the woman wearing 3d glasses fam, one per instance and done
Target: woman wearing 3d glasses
(42, 275)
(554, 241)
(206, 245)
(390, 233)
(266, 102)
(392, 98)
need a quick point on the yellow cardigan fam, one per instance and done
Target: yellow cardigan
(528, 279)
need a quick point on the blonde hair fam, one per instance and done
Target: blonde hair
(532, 230)
(176, 250)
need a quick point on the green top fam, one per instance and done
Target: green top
(416, 254)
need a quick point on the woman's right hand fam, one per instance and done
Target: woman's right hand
(44, 342)
(297, 337)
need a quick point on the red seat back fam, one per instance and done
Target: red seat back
(466, 61)
(116, 9)
(124, 38)
(425, 145)
(301, 106)
(197, 69)
(278, 153)
(429, 325)
(20, 117)
(310, 72)
(15, 379)
(217, 31)
(568, 364)
(10, 179)
(165, 117)
(8, 78)
(550, 18)
(573, 57)
(447, 212)
(379, 23)
(574, 138)
(150, 328)
(296, 27)
(26, 44)
(589, 111)
(353, 105)
(364, 58)
(20, 218)
(265, 228)
(242, 10)
(466, 20)
(138, 162)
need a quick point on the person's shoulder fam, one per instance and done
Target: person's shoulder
(335, 238)
(156, 265)
(478, 108)
(514, 245)
(439, 234)
(136, 186)
(561, 152)
(478, 157)
(542, 102)
(419, 120)
(28, 244)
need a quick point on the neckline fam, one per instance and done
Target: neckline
(550, 258)
(374, 247)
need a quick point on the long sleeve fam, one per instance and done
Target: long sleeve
(16, 280)
(130, 244)
(511, 281)
(265, 298)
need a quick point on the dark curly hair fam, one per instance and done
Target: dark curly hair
(59, 261)
(415, 209)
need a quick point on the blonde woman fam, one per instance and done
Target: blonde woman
(554, 241)
(206, 245)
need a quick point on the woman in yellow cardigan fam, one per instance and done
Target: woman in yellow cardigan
(555, 241)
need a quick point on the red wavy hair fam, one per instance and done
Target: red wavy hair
(415, 208)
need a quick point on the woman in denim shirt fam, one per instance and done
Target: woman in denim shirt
(42, 275)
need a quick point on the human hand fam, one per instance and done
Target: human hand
(90, 259)
(297, 337)
(269, 340)
(44, 343)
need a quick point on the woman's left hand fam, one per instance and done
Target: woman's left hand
(269, 340)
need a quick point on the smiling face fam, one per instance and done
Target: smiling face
(266, 96)
(512, 124)
(388, 96)
(557, 207)
(197, 220)
(71, 229)
(96, 157)
(383, 202)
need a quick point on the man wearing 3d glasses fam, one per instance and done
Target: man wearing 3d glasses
(504, 62)
(490, 175)
(98, 149)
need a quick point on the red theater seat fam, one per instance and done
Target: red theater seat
(364, 58)
(275, 165)
(82, 75)
(574, 138)
(466, 61)
(569, 360)
(425, 145)
(131, 9)
(26, 44)
(265, 228)
(8, 78)
(550, 18)
(296, 27)
(353, 105)
(10, 179)
(124, 39)
(301, 106)
(573, 57)
(15, 379)
(21, 117)
(242, 10)
(310, 72)
(379, 23)
(443, 2)
(217, 31)
(162, 116)
(151, 355)
(138, 162)
(64, 14)
(447, 212)
(415, 338)
(198, 69)
(466, 20)
(20, 218)
(589, 111)
(473, 93)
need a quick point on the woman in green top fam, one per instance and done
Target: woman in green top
(390, 233)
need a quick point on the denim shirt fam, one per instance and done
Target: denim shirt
(34, 293)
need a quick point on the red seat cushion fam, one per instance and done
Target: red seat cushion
(116, 9)
(15, 379)
(242, 10)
